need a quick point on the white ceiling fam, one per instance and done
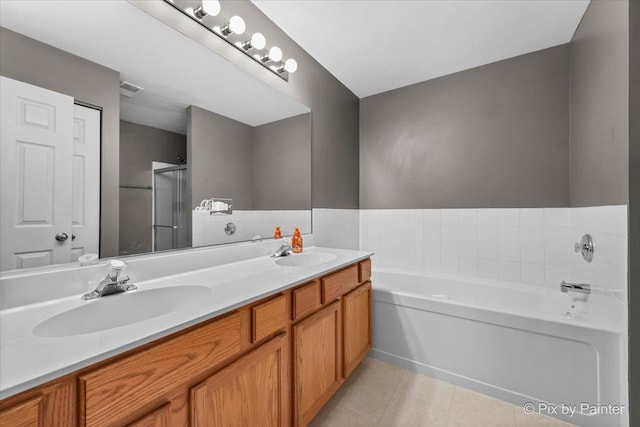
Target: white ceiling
(375, 46)
(174, 70)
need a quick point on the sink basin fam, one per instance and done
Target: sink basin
(305, 259)
(119, 310)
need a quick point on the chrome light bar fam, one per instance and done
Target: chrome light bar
(232, 30)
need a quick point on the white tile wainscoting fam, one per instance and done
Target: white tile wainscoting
(336, 228)
(209, 229)
(529, 245)
(517, 245)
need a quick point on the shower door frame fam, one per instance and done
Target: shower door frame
(178, 200)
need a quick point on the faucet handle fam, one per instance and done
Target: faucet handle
(116, 267)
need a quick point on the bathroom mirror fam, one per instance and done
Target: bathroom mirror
(128, 129)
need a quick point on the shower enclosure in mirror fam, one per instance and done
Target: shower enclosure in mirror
(111, 140)
(170, 214)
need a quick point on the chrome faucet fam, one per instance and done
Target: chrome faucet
(582, 288)
(114, 283)
(284, 250)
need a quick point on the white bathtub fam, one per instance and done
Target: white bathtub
(509, 341)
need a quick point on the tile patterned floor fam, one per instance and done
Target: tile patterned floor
(383, 395)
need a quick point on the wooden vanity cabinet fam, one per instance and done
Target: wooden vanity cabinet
(329, 344)
(272, 363)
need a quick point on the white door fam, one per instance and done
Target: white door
(35, 146)
(49, 177)
(85, 211)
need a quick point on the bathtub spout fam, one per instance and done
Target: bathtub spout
(582, 288)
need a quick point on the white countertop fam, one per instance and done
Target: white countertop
(27, 360)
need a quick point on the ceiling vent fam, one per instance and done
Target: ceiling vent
(129, 89)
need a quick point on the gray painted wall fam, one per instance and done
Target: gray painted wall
(281, 163)
(36, 63)
(263, 167)
(492, 136)
(335, 108)
(605, 143)
(220, 153)
(139, 146)
(634, 212)
(599, 106)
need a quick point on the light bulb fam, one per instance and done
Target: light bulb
(275, 54)
(211, 7)
(236, 25)
(291, 65)
(258, 41)
(208, 7)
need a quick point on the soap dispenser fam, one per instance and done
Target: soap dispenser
(296, 241)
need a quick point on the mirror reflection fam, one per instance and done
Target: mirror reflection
(140, 140)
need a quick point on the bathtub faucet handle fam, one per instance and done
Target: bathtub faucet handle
(585, 247)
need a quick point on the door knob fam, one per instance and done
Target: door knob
(61, 237)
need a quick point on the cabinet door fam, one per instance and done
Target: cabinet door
(52, 404)
(356, 321)
(317, 342)
(253, 391)
(25, 414)
(157, 418)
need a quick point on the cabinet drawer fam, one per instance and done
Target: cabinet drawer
(306, 299)
(364, 271)
(116, 392)
(338, 284)
(268, 317)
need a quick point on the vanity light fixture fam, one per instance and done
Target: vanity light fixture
(208, 7)
(257, 42)
(198, 11)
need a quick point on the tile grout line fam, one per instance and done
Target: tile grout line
(395, 390)
(450, 403)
